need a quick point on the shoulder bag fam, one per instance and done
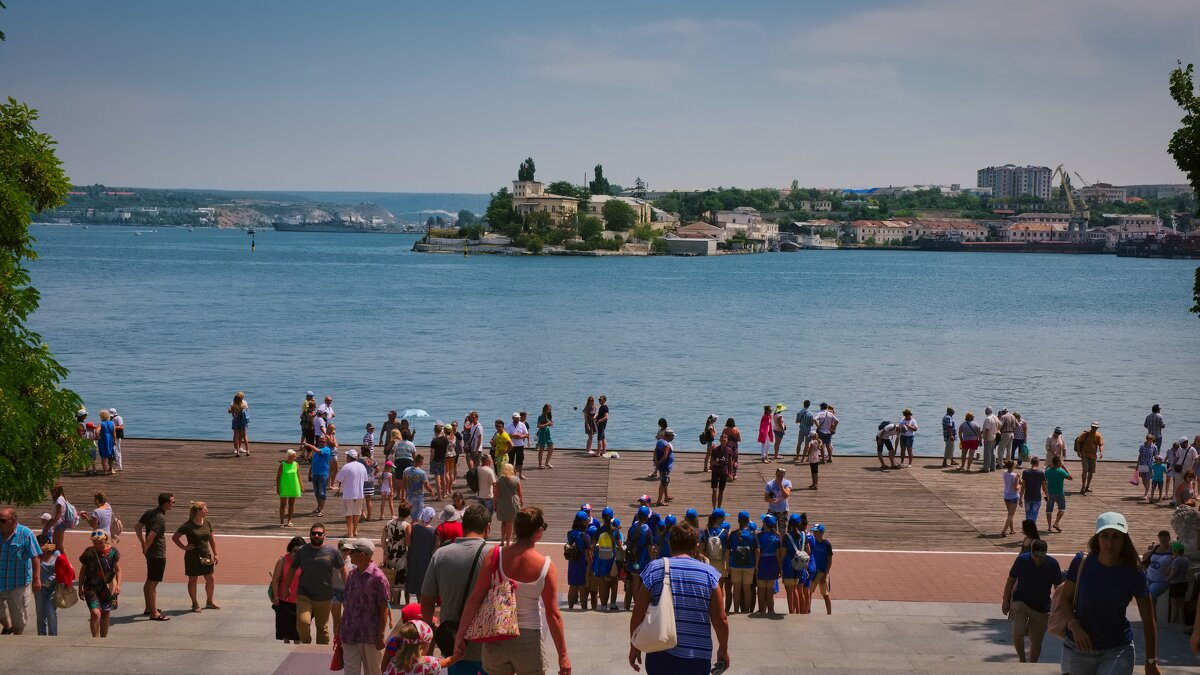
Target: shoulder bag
(496, 618)
(656, 633)
(1061, 615)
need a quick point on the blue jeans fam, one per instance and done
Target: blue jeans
(47, 612)
(320, 483)
(1115, 661)
(1032, 509)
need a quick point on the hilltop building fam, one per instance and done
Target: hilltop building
(1100, 193)
(530, 196)
(640, 207)
(1011, 181)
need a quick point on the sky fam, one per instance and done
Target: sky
(450, 97)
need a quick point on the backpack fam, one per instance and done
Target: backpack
(606, 545)
(713, 547)
(799, 557)
(883, 425)
(631, 549)
(743, 552)
(571, 550)
(1079, 442)
(116, 527)
(306, 420)
(473, 479)
(70, 515)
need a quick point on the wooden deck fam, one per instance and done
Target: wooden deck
(924, 508)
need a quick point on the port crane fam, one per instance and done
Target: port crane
(1077, 229)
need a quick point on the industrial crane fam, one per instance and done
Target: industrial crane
(1077, 230)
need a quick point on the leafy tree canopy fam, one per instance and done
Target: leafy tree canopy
(1185, 142)
(466, 218)
(499, 213)
(618, 215)
(41, 438)
(600, 185)
(525, 171)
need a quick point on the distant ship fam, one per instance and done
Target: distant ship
(815, 242)
(337, 226)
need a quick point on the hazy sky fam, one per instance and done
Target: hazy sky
(412, 97)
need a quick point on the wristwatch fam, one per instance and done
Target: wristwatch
(1154, 661)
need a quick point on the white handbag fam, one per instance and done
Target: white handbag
(656, 633)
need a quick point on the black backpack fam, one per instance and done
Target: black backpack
(473, 480)
(743, 555)
(570, 550)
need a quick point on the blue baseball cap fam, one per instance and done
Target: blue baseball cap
(692, 513)
(607, 512)
(768, 520)
(616, 522)
(643, 511)
(820, 527)
(719, 512)
(752, 526)
(309, 394)
(592, 531)
(582, 515)
(670, 519)
(743, 515)
(794, 518)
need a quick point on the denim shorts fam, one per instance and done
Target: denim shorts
(1115, 660)
(1060, 500)
(320, 483)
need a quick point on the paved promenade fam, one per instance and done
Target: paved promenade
(860, 637)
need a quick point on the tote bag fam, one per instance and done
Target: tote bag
(656, 633)
(496, 618)
(1061, 614)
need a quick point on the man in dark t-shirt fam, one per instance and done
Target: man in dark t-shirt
(317, 562)
(1027, 597)
(151, 532)
(1033, 486)
(601, 425)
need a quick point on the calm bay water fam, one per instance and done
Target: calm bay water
(166, 326)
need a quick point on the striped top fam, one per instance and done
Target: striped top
(692, 585)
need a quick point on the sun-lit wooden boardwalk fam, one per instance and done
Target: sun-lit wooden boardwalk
(924, 508)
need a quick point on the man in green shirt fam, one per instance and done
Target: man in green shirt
(1056, 476)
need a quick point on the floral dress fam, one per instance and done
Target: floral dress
(97, 570)
(395, 554)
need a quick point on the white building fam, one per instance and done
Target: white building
(1011, 181)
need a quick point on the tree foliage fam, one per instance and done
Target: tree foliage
(600, 185)
(590, 227)
(1185, 142)
(639, 188)
(525, 171)
(618, 215)
(499, 213)
(467, 218)
(40, 433)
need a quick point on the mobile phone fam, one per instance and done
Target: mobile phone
(719, 667)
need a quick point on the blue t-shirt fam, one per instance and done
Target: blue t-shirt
(742, 539)
(664, 544)
(577, 569)
(1035, 581)
(1160, 473)
(320, 461)
(642, 540)
(692, 585)
(1106, 592)
(663, 463)
(768, 563)
(822, 554)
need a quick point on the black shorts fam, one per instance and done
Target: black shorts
(155, 568)
(814, 467)
(718, 482)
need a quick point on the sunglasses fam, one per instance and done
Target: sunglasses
(316, 534)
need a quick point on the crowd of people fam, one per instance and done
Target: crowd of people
(442, 572)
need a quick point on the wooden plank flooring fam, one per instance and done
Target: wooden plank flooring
(924, 508)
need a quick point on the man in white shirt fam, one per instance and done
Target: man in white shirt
(520, 436)
(826, 424)
(1056, 446)
(327, 408)
(886, 438)
(776, 494)
(487, 483)
(1188, 454)
(352, 476)
(991, 427)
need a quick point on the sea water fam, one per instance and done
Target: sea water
(167, 325)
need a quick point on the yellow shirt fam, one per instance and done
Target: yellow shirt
(501, 444)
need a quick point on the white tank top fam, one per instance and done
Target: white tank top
(529, 597)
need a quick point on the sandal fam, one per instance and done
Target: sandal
(196, 609)
(160, 617)
(211, 605)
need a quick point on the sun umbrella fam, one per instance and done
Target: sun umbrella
(413, 412)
